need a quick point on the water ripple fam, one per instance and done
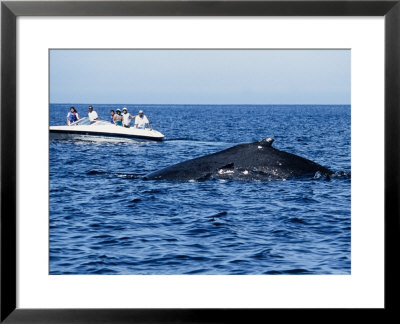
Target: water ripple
(105, 220)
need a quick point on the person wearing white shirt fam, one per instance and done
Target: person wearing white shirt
(126, 118)
(92, 115)
(141, 121)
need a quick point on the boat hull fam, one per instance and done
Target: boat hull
(114, 132)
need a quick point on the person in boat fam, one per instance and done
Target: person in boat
(118, 118)
(141, 121)
(112, 112)
(72, 116)
(92, 115)
(126, 118)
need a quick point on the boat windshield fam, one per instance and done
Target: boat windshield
(82, 121)
(86, 121)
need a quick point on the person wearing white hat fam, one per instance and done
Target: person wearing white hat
(126, 117)
(141, 121)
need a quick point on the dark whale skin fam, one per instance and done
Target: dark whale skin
(248, 162)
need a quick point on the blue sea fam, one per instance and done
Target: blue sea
(104, 219)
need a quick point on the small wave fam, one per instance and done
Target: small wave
(181, 139)
(273, 272)
(297, 220)
(219, 224)
(154, 191)
(105, 271)
(103, 236)
(338, 174)
(188, 257)
(110, 241)
(262, 254)
(238, 261)
(98, 263)
(120, 175)
(223, 213)
(129, 175)
(341, 174)
(198, 271)
(295, 271)
(95, 172)
(170, 240)
(318, 175)
(196, 231)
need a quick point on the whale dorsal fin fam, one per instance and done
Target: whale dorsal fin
(267, 141)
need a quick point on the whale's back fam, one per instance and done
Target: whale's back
(254, 161)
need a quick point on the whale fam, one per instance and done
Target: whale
(248, 162)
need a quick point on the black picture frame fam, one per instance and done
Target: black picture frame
(10, 10)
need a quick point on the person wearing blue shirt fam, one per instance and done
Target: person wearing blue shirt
(112, 112)
(72, 116)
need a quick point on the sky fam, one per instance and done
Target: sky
(200, 76)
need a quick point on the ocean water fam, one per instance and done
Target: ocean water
(104, 219)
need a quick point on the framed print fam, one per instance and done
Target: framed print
(197, 160)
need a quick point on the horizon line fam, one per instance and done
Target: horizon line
(197, 104)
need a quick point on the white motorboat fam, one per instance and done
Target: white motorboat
(82, 129)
